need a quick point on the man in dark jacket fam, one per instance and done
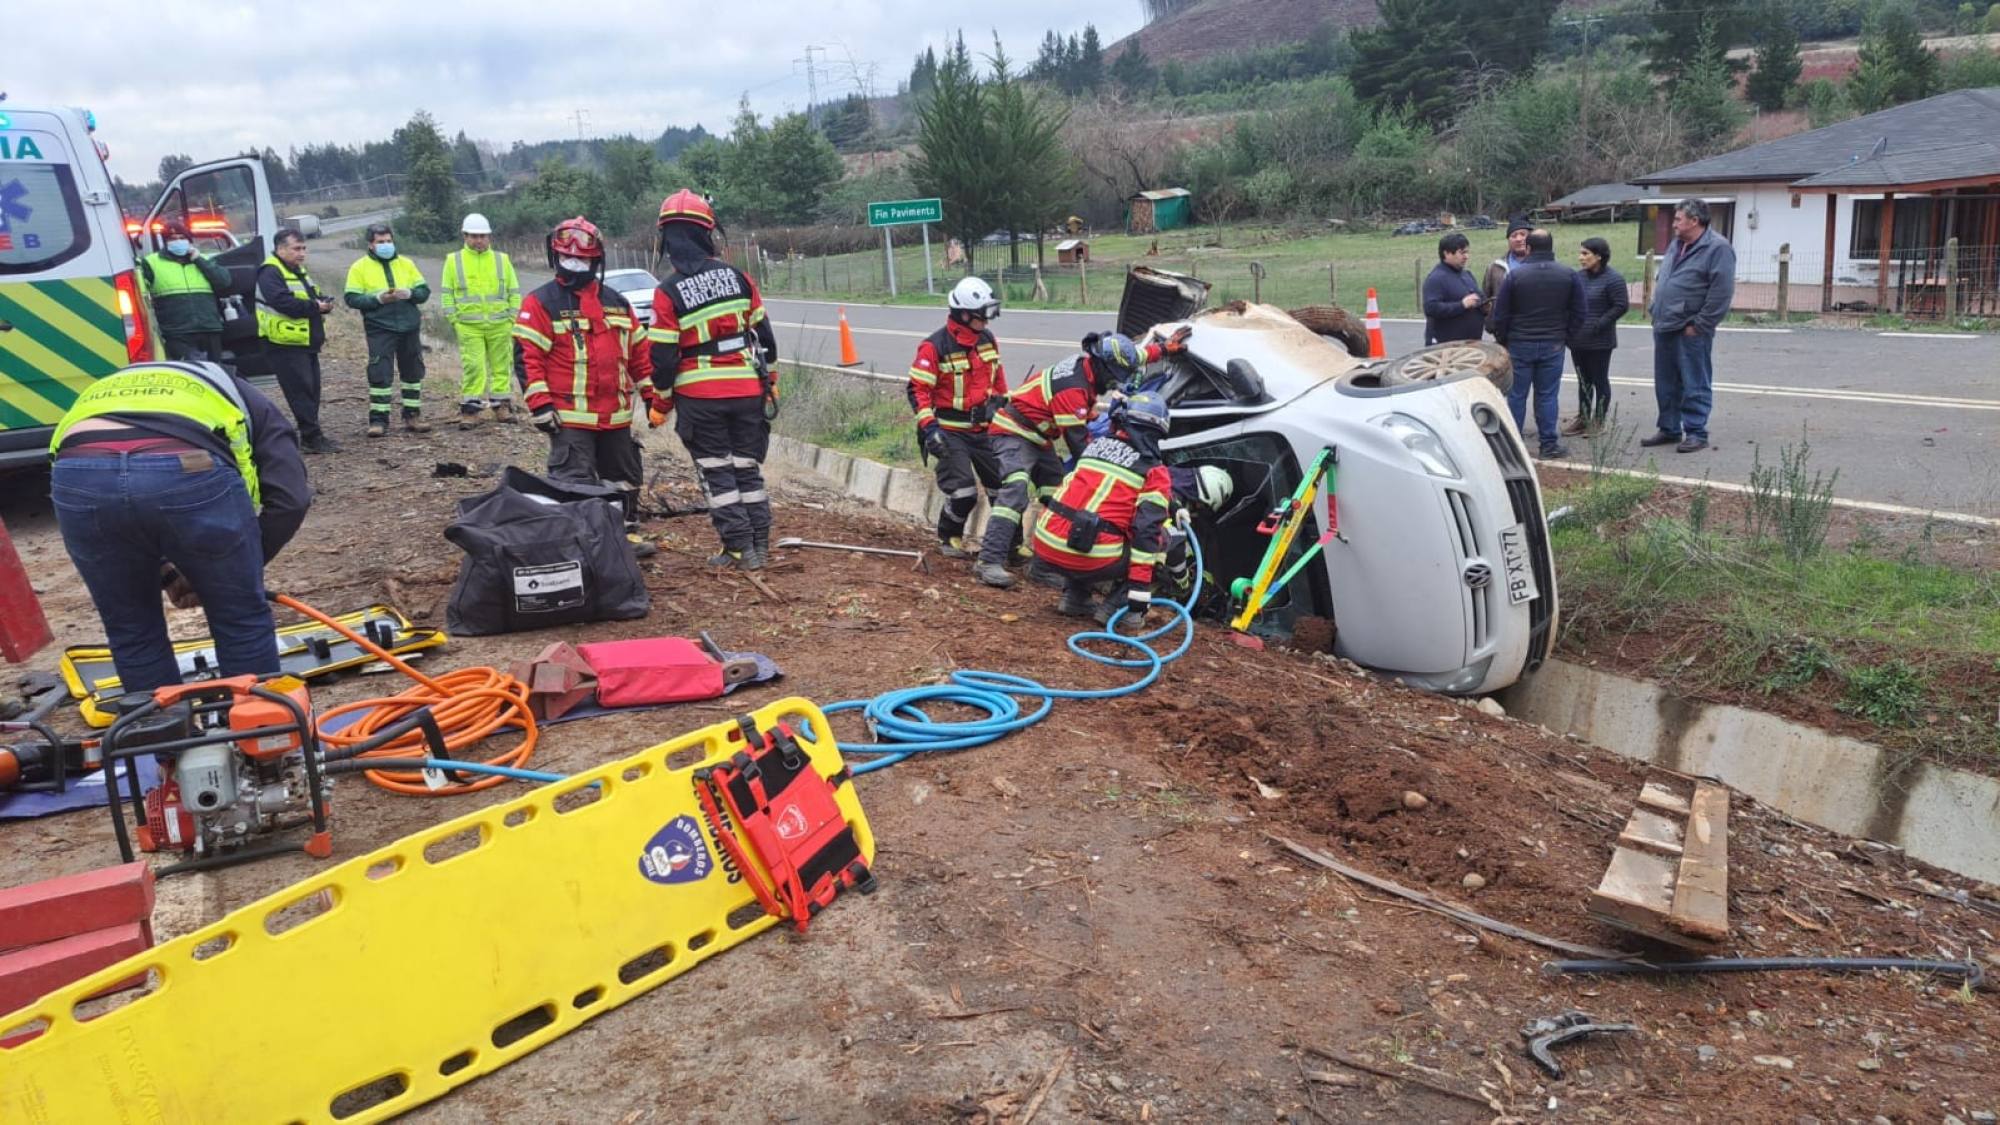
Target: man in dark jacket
(182, 477)
(185, 288)
(291, 317)
(1451, 297)
(1606, 298)
(1696, 285)
(1538, 311)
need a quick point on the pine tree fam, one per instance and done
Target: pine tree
(431, 201)
(1090, 62)
(1895, 67)
(954, 151)
(1131, 70)
(1033, 173)
(1677, 24)
(923, 75)
(1409, 62)
(1705, 96)
(1770, 86)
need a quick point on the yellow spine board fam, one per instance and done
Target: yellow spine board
(433, 966)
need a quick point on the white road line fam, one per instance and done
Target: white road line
(924, 308)
(1024, 342)
(1930, 335)
(1758, 331)
(1880, 398)
(1856, 505)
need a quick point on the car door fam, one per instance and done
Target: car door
(222, 201)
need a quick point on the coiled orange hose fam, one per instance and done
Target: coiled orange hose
(469, 704)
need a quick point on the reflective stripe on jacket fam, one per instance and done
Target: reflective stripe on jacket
(711, 316)
(479, 287)
(272, 325)
(956, 370)
(582, 352)
(197, 392)
(1128, 494)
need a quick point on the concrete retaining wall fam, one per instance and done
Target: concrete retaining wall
(1943, 816)
(1940, 815)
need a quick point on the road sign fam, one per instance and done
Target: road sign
(902, 212)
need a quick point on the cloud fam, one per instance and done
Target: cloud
(210, 79)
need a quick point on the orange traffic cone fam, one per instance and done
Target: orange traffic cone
(849, 357)
(1376, 348)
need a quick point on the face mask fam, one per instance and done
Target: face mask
(385, 249)
(573, 265)
(179, 247)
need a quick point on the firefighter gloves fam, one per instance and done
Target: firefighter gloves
(932, 437)
(1177, 343)
(656, 413)
(546, 420)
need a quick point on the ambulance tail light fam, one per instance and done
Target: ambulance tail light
(138, 339)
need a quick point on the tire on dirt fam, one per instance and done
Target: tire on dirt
(1335, 322)
(1451, 358)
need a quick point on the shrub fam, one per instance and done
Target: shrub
(1887, 694)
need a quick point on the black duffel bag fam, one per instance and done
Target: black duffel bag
(540, 552)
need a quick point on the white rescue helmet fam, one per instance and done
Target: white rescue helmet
(1213, 487)
(973, 297)
(475, 223)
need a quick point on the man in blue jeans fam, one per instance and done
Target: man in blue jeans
(1538, 310)
(1697, 282)
(182, 477)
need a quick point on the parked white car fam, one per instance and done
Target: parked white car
(636, 286)
(1441, 575)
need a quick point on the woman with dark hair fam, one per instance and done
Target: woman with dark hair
(1606, 298)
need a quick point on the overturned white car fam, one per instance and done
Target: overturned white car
(1441, 575)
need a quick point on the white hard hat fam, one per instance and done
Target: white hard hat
(973, 295)
(1213, 486)
(476, 223)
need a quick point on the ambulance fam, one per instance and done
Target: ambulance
(71, 307)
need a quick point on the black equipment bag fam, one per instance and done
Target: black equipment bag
(540, 552)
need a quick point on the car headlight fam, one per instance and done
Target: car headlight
(1422, 442)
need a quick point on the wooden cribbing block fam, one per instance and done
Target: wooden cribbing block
(27, 975)
(75, 904)
(1669, 875)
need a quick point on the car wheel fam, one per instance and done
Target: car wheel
(1449, 359)
(1335, 322)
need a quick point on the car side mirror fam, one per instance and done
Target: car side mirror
(1243, 382)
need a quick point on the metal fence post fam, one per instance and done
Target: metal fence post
(1784, 282)
(1082, 284)
(1257, 282)
(1417, 279)
(1332, 283)
(1951, 278)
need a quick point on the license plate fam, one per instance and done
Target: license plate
(1519, 566)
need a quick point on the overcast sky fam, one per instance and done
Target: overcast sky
(209, 78)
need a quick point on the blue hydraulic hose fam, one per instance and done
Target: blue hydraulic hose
(904, 729)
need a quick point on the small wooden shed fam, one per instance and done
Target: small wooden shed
(1150, 212)
(1072, 250)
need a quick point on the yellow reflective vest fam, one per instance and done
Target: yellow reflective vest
(202, 393)
(479, 287)
(272, 325)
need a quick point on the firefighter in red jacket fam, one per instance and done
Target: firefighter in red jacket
(956, 382)
(714, 358)
(1058, 401)
(579, 353)
(1107, 522)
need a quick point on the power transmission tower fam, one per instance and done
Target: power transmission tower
(812, 83)
(1585, 22)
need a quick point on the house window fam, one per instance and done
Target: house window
(1911, 237)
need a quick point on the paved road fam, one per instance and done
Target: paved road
(345, 223)
(1910, 420)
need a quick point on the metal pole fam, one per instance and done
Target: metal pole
(889, 259)
(929, 285)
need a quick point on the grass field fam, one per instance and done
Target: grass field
(1300, 266)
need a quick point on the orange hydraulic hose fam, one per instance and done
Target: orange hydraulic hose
(468, 704)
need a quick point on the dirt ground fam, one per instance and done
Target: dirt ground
(1094, 908)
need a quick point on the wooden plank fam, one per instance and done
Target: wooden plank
(1649, 831)
(1637, 895)
(1653, 795)
(1701, 892)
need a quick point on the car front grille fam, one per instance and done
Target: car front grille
(1513, 462)
(1477, 599)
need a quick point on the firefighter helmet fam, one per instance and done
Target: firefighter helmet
(1118, 354)
(973, 297)
(1142, 411)
(575, 238)
(686, 206)
(1213, 487)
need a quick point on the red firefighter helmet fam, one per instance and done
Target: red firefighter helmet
(575, 238)
(686, 206)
